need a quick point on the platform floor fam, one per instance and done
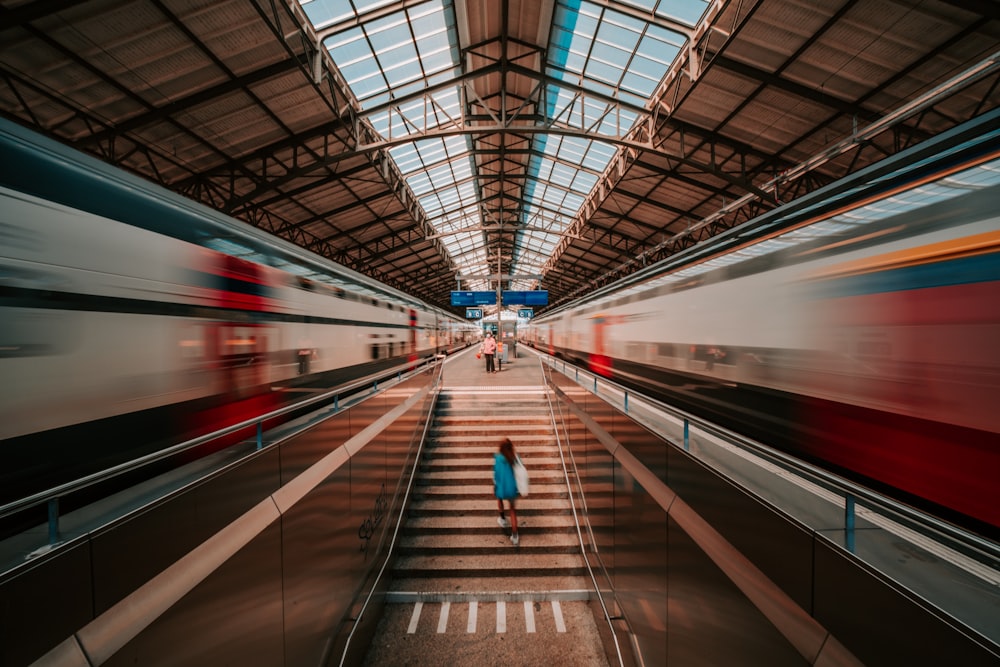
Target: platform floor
(522, 369)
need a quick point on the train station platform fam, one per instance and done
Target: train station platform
(371, 537)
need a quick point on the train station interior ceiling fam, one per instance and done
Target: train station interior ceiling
(439, 145)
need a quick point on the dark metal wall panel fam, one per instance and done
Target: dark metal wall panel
(321, 563)
(364, 414)
(881, 624)
(234, 617)
(641, 567)
(309, 447)
(131, 551)
(680, 607)
(779, 547)
(335, 539)
(402, 439)
(650, 449)
(43, 602)
(288, 596)
(710, 621)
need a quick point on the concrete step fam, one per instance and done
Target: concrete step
(465, 544)
(458, 492)
(440, 463)
(499, 404)
(479, 524)
(486, 506)
(492, 439)
(513, 416)
(505, 560)
(494, 433)
(492, 588)
(486, 452)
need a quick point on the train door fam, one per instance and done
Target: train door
(599, 361)
(238, 343)
(412, 352)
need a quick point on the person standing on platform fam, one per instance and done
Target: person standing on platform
(505, 486)
(489, 348)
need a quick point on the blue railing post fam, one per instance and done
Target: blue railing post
(687, 436)
(260, 435)
(375, 387)
(595, 384)
(336, 402)
(626, 401)
(53, 520)
(849, 521)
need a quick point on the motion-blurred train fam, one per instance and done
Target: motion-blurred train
(857, 327)
(132, 317)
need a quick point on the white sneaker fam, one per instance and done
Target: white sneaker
(515, 539)
(504, 523)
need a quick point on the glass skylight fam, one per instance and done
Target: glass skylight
(605, 61)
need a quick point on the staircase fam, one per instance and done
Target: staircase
(451, 546)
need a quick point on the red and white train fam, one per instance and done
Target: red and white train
(132, 318)
(858, 328)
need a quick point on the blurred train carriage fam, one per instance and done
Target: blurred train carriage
(132, 318)
(858, 327)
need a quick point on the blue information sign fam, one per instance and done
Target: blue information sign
(525, 313)
(474, 313)
(473, 298)
(538, 297)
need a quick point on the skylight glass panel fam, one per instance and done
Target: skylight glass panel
(601, 52)
(685, 11)
(324, 13)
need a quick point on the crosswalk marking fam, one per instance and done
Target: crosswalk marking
(443, 619)
(473, 611)
(414, 618)
(530, 623)
(557, 612)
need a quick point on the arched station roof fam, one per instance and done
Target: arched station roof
(440, 144)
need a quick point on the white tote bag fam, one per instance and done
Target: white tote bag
(521, 477)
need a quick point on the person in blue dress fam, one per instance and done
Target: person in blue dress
(505, 486)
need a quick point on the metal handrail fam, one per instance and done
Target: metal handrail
(576, 517)
(51, 496)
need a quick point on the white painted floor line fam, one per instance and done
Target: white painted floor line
(557, 612)
(415, 618)
(443, 619)
(501, 616)
(529, 615)
(473, 611)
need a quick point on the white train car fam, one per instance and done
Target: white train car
(865, 316)
(131, 317)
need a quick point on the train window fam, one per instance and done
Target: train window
(665, 350)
